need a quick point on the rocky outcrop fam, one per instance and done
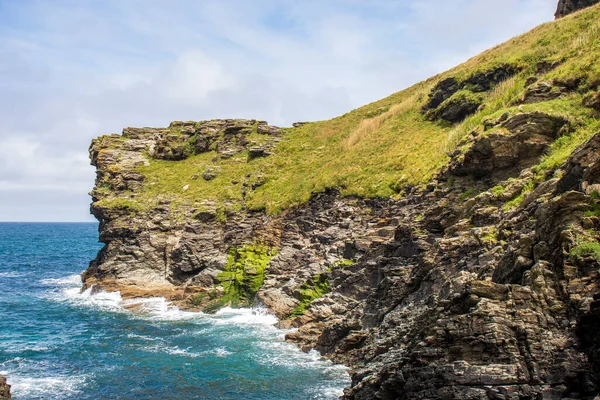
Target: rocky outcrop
(4, 389)
(453, 100)
(510, 145)
(566, 7)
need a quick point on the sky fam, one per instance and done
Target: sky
(72, 70)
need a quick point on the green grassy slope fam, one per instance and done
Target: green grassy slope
(376, 149)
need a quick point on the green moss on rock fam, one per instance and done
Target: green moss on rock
(243, 275)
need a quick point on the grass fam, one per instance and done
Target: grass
(586, 249)
(311, 291)
(498, 190)
(491, 237)
(594, 210)
(467, 194)
(375, 150)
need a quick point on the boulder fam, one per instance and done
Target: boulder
(211, 173)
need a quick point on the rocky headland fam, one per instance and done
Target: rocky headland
(475, 277)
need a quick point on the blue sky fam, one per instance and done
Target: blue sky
(74, 69)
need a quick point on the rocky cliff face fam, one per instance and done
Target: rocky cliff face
(440, 294)
(4, 389)
(566, 7)
(480, 283)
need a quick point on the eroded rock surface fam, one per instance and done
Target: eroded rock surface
(442, 294)
(514, 143)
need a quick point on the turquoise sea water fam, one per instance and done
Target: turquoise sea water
(58, 343)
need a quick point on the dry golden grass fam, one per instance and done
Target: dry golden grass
(371, 125)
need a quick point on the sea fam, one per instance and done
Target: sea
(57, 342)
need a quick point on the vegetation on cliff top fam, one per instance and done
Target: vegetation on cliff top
(377, 149)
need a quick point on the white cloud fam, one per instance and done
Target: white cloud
(74, 70)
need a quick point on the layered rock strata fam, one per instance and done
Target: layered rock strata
(445, 293)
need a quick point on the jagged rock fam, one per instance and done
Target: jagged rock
(441, 92)
(258, 151)
(543, 91)
(592, 101)
(566, 7)
(486, 80)
(582, 171)
(489, 124)
(172, 147)
(457, 108)
(479, 82)
(4, 389)
(519, 145)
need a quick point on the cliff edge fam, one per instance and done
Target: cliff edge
(443, 242)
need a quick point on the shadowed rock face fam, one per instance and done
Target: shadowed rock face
(4, 389)
(566, 7)
(512, 144)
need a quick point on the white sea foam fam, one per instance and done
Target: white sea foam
(142, 337)
(48, 387)
(158, 309)
(262, 324)
(105, 301)
(18, 348)
(12, 274)
(173, 350)
(221, 352)
(72, 280)
(245, 316)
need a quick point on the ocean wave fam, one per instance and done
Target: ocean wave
(12, 274)
(71, 280)
(245, 316)
(173, 350)
(48, 387)
(19, 348)
(158, 309)
(275, 351)
(105, 301)
(221, 352)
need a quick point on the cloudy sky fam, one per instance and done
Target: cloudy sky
(75, 69)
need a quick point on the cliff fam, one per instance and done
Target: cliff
(444, 241)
